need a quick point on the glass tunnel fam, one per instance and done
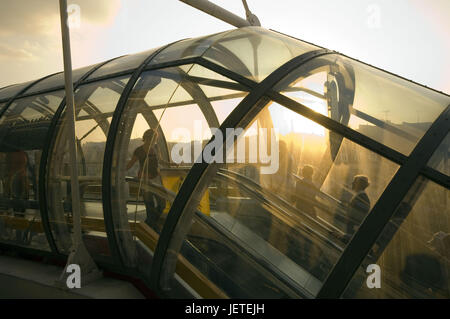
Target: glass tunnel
(245, 164)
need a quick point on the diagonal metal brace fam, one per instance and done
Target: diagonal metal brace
(251, 18)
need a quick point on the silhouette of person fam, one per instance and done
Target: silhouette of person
(16, 163)
(299, 245)
(282, 180)
(148, 157)
(306, 191)
(17, 184)
(359, 205)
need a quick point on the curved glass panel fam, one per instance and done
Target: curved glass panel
(23, 130)
(58, 79)
(94, 107)
(4, 88)
(223, 93)
(282, 208)
(148, 170)
(188, 48)
(254, 52)
(413, 251)
(79, 73)
(124, 63)
(54, 81)
(31, 109)
(440, 158)
(386, 108)
(12, 90)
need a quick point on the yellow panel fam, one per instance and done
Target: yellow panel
(173, 183)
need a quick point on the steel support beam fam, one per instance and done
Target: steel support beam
(218, 12)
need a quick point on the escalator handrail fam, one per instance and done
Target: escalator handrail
(236, 242)
(239, 247)
(275, 200)
(261, 197)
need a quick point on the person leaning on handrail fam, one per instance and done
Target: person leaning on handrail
(148, 156)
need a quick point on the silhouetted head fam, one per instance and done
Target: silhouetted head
(307, 172)
(148, 135)
(360, 183)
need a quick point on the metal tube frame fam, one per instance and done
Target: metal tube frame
(186, 192)
(48, 145)
(115, 122)
(333, 286)
(193, 178)
(2, 112)
(108, 157)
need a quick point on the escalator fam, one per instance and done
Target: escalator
(239, 259)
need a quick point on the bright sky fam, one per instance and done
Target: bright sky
(407, 37)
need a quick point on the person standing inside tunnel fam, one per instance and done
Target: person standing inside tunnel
(300, 248)
(148, 157)
(359, 205)
(306, 191)
(16, 167)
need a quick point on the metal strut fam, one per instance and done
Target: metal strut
(251, 18)
(79, 254)
(224, 15)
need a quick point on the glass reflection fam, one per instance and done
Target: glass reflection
(413, 251)
(125, 63)
(440, 158)
(94, 106)
(255, 52)
(10, 91)
(162, 130)
(52, 82)
(23, 130)
(188, 48)
(388, 109)
(57, 80)
(283, 210)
